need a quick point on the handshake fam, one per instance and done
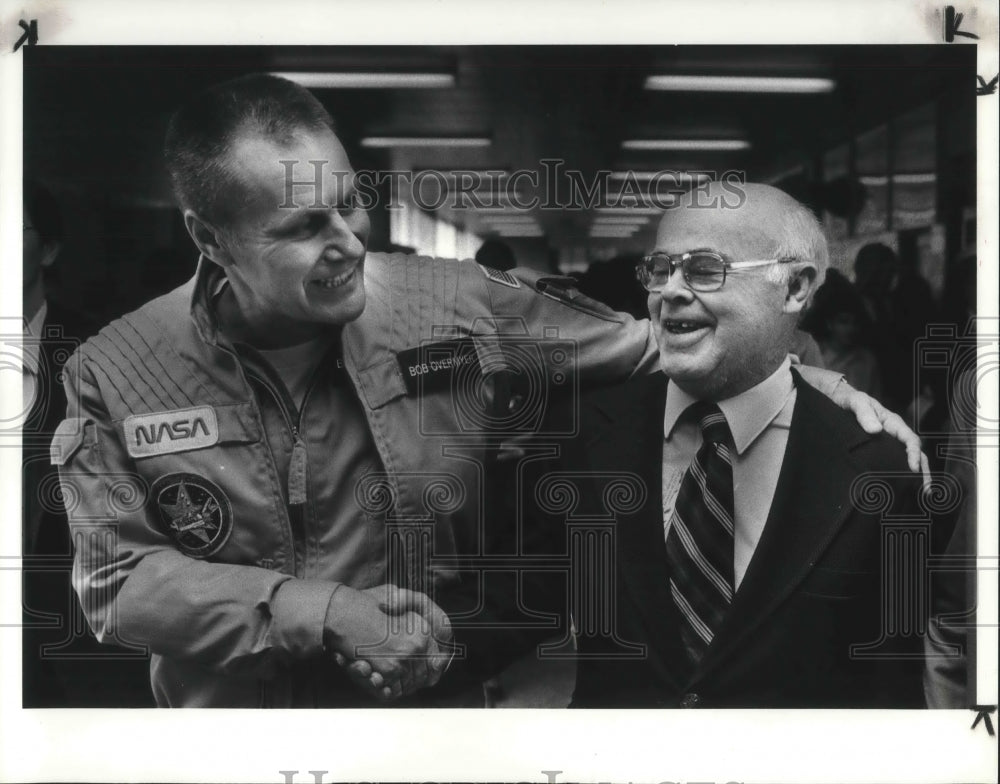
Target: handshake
(391, 641)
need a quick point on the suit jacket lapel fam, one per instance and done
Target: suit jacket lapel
(811, 502)
(635, 417)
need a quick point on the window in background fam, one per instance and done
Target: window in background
(914, 180)
(429, 236)
(872, 171)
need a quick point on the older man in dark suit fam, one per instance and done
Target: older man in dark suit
(748, 578)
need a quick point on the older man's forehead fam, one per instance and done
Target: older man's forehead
(735, 230)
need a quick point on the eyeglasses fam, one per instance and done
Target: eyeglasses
(703, 270)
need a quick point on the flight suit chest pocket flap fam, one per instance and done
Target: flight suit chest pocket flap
(427, 368)
(381, 383)
(188, 429)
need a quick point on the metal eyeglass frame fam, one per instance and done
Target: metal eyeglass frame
(674, 260)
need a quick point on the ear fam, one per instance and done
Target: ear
(802, 282)
(208, 239)
(51, 251)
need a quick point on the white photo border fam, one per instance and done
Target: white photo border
(517, 745)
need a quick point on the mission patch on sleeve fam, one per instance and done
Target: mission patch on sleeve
(193, 512)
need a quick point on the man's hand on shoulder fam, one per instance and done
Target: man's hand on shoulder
(873, 418)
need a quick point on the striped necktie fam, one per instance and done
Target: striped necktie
(700, 537)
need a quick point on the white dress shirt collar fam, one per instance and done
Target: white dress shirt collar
(747, 413)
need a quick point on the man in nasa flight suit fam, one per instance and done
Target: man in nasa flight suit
(274, 467)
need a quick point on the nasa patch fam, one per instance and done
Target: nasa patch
(164, 432)
(193, 512)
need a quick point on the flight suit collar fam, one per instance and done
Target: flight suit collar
(208, 279)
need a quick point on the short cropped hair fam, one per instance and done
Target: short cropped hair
(800, 236)
(201, 133)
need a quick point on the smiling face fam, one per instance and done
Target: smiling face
(295, 270)
(718, 344)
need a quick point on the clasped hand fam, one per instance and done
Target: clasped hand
(391, 641)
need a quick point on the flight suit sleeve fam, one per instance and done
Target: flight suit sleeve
(137, 589)
(609, 346)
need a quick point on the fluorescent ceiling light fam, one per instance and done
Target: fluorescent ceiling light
(900, 179)
(914, 179)
(792, 172)
(347, 80)
(426, 141)
(508, 219)
(740, 84)
(630, 211)
(485, 176)
(664, 177)
(620, 220)
(623, 231)
(525, 232)
(714, 145)
(497, 174)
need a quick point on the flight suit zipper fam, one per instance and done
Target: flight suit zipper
(296, 494)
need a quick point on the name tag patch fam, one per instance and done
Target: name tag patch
(438, 366)
(171, 431)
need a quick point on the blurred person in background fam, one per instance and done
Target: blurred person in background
(839, 322)
(50, 328)
(948, 680)
(613, 283)
(805, 347)
(59, 666)
(931, 408)
(958, 303)
(496, 254)
(900, 305)
(948, 646)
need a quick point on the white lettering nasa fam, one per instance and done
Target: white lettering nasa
(171, 431)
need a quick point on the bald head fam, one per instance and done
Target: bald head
(719, 341)
(750, 221)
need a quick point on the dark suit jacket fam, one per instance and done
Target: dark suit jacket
(812, 590)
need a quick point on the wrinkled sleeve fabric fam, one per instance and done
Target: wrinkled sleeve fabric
(610, 347)
(136, 588)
